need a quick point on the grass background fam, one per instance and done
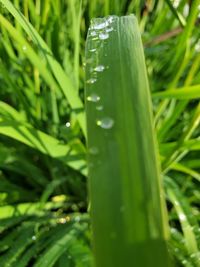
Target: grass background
(43, 170)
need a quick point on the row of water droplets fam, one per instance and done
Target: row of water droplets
(99, 32)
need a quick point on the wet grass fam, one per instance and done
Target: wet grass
(126, 189)
(43, 177)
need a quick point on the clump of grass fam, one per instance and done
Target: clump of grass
(43, 169)
(128, 214)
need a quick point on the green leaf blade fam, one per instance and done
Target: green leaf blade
(124, 174)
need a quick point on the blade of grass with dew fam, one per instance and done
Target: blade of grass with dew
(127, 209)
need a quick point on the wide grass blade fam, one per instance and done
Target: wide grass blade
(128, 214)
(62, 78)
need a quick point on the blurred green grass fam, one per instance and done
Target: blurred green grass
(43, 170)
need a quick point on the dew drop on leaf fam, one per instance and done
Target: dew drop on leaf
(99, 108)
(93, 33)
(184, 262)
(100, 26)
(109, 29)
(77, 219)
(105, 123)
(99, 68)
(91, 81)
(24, 48)
(33, 238)
(93, 98)
(67, 124)
(103, 35)
(93, 50)
(93, 150)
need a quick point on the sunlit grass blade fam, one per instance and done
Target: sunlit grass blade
(182, 168)
(12, 125)
(189, 92)
(44, 143)
(127, 209)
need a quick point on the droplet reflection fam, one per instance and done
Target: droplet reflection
(105, 123)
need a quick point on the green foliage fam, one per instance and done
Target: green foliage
(43, 172)
(122, 131)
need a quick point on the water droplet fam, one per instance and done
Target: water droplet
(24, 48)
(176, 3)
(93, 98)
(62, 220)
(77, 219)
(110, 19)
(103, 35)
(33, 238)
(105, 123)
(91, 81)
(93, 150)
(182, 217)
(67, 124)
(186, 10)
(93, 50)
(93, 33)
(99, 108)
(197, 46)
(173, 230)
(184, 262)
(99, 68)
(109, 29)
(100, 26)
